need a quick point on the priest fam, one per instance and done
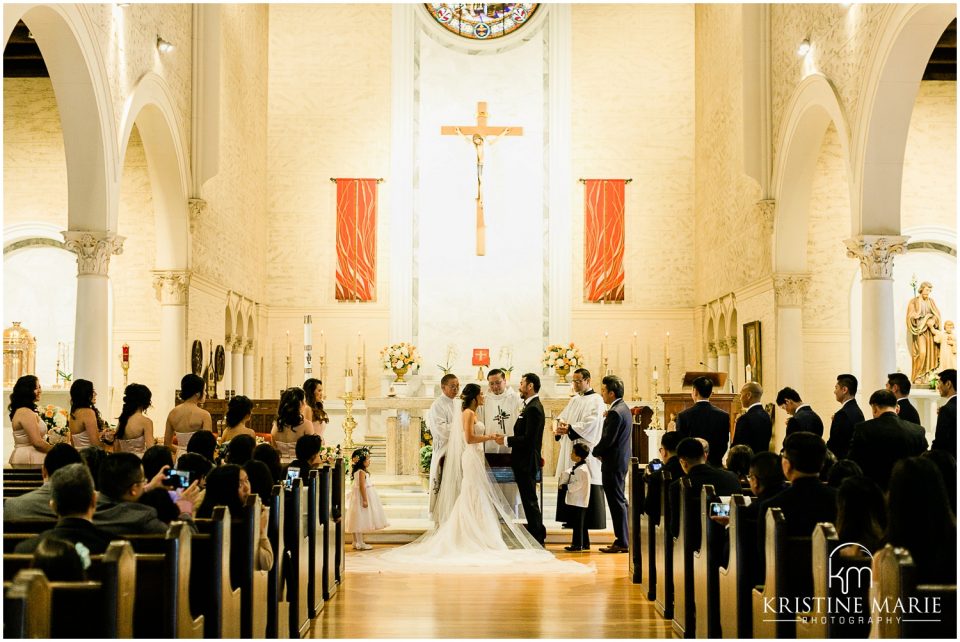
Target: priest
(582, 421)
(498, 414)
(443, 416)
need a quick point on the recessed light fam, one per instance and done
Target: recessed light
(804, 47)
(163, 46)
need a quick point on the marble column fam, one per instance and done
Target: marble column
(790, 290)
(723, 357)
(228, 365)
(237, 357)
(172, 287)
(732, 369)
(712, 356)
(248, 368)
(878, 338)
(92, 334)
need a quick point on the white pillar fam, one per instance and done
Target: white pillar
(248, 368)
(237, 355)
(790, 290)
(712, 357)
(228, 365)
(732, 369)
(878, 338)
(92, 333)
(723, 357)
(172, 287)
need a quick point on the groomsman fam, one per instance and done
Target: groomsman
(443, 414)
(899, 384)
(614, 451)
(802, 417)
(946, 436)
(706, 421)
(754, 427)
(849, 415)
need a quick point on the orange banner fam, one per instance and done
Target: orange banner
(356, 239)
(603, 233)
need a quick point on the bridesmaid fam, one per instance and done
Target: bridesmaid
(239, 412)
(134, 428)
(313, 391)
(29, 446)
(188, 418)
(291, 423)
(84, 421)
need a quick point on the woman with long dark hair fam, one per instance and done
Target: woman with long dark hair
(84, 420)
(29, 446)
(313, 393)
(188, 418)
(229, 485)
(134, 428)
(239, 412)
(291, 423)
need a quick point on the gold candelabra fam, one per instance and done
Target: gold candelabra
(288, 371)
(323, 370)
(362, 374)
(666, 375)
(656, 405)
(349, 423)
(636, 379)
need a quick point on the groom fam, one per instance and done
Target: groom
(526, 442)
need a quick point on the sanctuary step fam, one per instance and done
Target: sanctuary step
(405, 502)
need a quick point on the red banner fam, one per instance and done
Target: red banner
(603, 233)
(356, 239)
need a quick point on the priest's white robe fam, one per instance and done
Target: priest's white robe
(506, 407)
(584, 413)
(443, 416)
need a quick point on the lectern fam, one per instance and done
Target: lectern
(675, 402)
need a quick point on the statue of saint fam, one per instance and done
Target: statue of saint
(948, 347)
(923, 326)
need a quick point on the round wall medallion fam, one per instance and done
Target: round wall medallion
(482, 21)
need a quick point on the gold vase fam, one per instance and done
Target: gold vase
(562, 373)
(400, 372)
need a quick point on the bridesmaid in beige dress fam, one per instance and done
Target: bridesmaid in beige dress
(188, 418)
(29, 446)
(291, 423)
(134, 428)
(313, 392)
(84, 421)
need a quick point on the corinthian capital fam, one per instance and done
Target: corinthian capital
(790, 289)
(712, 349)
(197, 206)
(876, 253)
(722, 347)
(93, 250)
(767, 209)
(732, 343)
(171, 286)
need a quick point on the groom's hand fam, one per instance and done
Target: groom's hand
(498, 438)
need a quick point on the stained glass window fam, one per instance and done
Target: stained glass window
(481, 21)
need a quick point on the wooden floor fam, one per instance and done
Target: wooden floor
(604, 605)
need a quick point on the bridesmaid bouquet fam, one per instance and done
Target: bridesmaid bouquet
(562, 357)
(56, 420)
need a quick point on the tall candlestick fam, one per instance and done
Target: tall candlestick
(307, 346)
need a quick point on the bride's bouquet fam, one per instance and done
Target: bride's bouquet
(399, 355)
(562, 357)
(55, 418)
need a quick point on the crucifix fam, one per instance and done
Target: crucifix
(477, 135)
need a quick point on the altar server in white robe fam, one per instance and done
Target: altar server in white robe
(582, 421)
(499, 413)
(443, 415)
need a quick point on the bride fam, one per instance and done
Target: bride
(475, 530)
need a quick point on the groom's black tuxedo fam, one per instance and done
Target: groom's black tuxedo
(525, 460)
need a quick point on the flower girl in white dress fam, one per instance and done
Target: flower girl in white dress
(365, 512)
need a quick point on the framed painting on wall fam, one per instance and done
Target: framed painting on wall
(752, 353)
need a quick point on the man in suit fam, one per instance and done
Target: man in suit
(526, 443)
(946, 436)
(36, 503)
(613, 450)
(693, 460)
(807, 501)
(881, 442)
(899, 384)
(706, 420)
(754, 427)
(802, 416)
(849, 415)
(654, 479)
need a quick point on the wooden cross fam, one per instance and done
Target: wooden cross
(477, 135)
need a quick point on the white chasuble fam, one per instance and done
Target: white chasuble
(499, 414)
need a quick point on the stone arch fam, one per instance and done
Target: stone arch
(151, 108)
(810, 110)
(78, 76)
(907, 38)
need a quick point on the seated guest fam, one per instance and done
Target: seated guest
(754, 427)
(204, 443)
(738, 462)
(93, 457)
(154, 459)
(899, 384)
(36, 503)
(881, 442)
(849, 415)
(240, 449)
(671, 464)
(74, 500)
(271, 457)
(121, 485)
(705, 420)
(802, 416)
(197, 465)
(919, 520)
(291, 423)
(308, 450)
(229, 486)
(947, 466)
(261, 480)
(239, 412)
(693, 460)
(861, 515)
(806, 502)
(828, 464)
(946, 435)
(840, 471)
(59, 561)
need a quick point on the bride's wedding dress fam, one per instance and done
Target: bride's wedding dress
(476, 531)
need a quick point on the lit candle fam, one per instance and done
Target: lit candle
(656, 375)
(307, 331)
(666, 347)
(633, 348)
(348, 384)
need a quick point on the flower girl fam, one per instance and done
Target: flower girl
(365, 513)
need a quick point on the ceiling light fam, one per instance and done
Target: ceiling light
(804, 48)
(163, 46)
(31, 36)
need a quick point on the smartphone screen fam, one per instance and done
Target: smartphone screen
(293, 473)
(177, 478)
(655, 465)
(719, 509)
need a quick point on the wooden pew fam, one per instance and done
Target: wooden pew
(16, 532)
(647, 539)
(329, 533)
(735, 580)
(788, 575)
(684, 606)
(27, 473)
(26, 606)
(816, 624)
(278, 617)
(895, 577)
(245, 540)
(296, 545)
(706, 565)
(318, 483)
(337, 507)
(211, 590)
(664, 553)
(635, 494)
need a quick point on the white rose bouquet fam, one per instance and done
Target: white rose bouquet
(56, 419)
(559, 356)
(399, 355)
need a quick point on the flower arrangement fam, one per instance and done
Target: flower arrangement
(399, 355)
(451, 357)
(559, 357)
(56, 420)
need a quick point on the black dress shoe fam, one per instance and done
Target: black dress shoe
(565, 525)
(614, 548)
(572, 549)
